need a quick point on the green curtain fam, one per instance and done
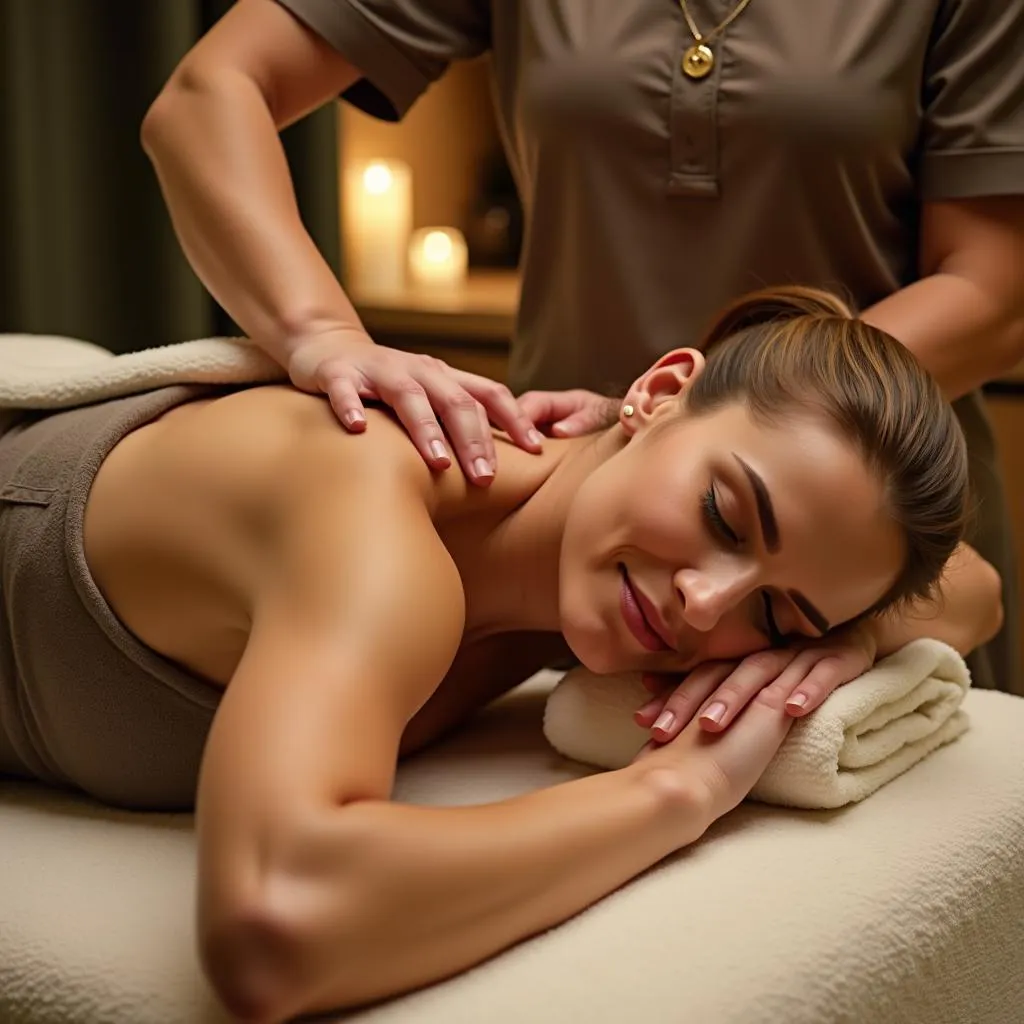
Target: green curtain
(86, 244)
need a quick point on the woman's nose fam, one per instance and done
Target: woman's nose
(707, 595)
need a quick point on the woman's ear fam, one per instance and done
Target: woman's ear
(660, 387)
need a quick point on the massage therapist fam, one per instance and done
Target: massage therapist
(671, 155)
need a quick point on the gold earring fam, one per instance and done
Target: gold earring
(628, 410)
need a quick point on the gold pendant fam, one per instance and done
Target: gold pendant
(698, 61)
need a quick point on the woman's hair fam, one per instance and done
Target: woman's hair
(794, 348)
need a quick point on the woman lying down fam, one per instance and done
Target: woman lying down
(226, 600)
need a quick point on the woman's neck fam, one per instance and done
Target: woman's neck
(516, 585)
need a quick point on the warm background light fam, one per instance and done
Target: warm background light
(438, 257)
(377, 220)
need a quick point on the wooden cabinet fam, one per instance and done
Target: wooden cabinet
(469, 327)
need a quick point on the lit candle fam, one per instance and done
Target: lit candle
(438, 257)
(378, 221)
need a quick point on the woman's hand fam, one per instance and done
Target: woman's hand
(568, 413)
(349, 368)
(714, 693)
(722, 768)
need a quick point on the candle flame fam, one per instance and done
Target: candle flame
(437, 247)
(377, 179)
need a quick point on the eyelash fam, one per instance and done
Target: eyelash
(722, 529)
(714, 516)
(775, 636)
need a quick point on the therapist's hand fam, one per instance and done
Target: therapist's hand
(714, 693)
(424, 392)
(569, 413)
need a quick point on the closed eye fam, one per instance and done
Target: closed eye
(771, 628)
(714, 517)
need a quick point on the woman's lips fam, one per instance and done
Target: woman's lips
(636, 621)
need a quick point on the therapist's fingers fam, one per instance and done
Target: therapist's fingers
(568, 413)
(592, 418)
(346, 403)
(502, 410)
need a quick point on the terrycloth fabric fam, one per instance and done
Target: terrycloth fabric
(905, 909)
(867, 733)
(46, 372)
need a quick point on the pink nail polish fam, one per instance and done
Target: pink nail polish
(438, 450)
(665, 721)
(715, 713)
(797, 701)
(482, 467)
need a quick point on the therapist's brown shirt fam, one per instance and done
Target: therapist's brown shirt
(652, 199)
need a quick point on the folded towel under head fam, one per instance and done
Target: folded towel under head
(867, 733)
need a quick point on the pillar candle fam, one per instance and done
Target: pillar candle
(438, 258)
(377, 223)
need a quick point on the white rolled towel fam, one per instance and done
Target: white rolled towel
(866, 734)
(40, 371)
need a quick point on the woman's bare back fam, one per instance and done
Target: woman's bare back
(182, 515)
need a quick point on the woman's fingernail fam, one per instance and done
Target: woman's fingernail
(481, 467)
(797, 701)
(715, 713)
(352, 417)
(650, 706)
(438, 450)
(665, 721)
(535, 437)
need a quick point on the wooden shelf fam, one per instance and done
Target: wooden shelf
(482, 310)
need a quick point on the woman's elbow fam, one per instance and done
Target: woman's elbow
(268, 954)
(248, 957)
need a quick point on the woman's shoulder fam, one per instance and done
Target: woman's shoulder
(293, 436)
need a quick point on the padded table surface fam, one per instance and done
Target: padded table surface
(906, 908)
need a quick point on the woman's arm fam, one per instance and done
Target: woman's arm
(316, 892)
(964, 318)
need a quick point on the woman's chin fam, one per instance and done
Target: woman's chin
(596, 650)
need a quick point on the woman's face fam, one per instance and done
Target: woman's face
(713, 536)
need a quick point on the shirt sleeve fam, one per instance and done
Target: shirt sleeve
(973, 100)
(400, 46)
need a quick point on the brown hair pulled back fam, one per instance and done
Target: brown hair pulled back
(794, 348)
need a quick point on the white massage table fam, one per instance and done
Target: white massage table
(905, 909)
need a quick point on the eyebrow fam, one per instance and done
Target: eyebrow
(772, 541)
(765, 512)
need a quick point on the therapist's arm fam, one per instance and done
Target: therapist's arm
(212, 136)
(966, 612)
(964, 317)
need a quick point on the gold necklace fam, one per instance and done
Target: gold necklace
(699, 59)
